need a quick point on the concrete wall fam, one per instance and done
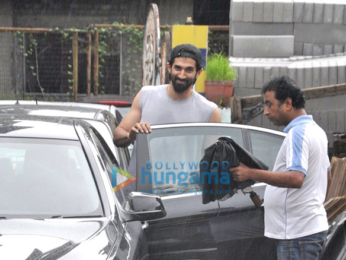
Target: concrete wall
(307, 71)
(6, 49)
(318, 27)
(318, 59)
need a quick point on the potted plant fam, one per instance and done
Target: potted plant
(220, 77)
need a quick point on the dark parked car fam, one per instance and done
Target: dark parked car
(167, 165)
(104, 113)
(57, 202)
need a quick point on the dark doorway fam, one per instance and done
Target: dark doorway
(211, 12)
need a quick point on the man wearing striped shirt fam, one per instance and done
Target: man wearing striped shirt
(294, 213)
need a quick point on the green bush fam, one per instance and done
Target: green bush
(218, 68)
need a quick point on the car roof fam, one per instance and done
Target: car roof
(51, 110)
(57, 103)
(37, 127)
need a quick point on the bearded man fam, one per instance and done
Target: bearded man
(176, 102)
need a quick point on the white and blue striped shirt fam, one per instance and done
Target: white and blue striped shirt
(291, 213)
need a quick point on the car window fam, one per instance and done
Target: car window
(108, 119)
(43, 177)
(110, 164)
(124, 155)
(265, 146)
(175, 154)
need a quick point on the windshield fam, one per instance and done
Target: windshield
(45, 178)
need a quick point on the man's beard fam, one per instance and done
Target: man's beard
(181, 87)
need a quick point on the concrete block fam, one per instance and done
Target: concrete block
(338, 48)
(257, 28)
(298, 48)
(341, 72)
(320, 33)
(266, 74)
(318, 13)
(275, 72)
(308, 49)
(292, 71)
(288, 13)
(250, 77)
(317, 50)
(237, 11)
(242, 77)
(300, 75)
(278, 12)
(259, 81)
(328, 13)
(327, 49)
(283, 71)
(268, 12)
(333, 73)
(258, 12)
(308, 12)
(324, 73)
(298, 12)
(316, 74)
(338, 14)
(308, 75)
(263, 46)
(248, 12)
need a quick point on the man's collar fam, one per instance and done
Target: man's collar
(297, 121)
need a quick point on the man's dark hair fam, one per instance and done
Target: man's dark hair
(285, 87)
(187, 51)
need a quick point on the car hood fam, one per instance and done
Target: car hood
(53, 239)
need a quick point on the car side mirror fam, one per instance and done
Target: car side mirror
(142, 207)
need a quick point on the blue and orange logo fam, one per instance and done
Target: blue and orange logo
(117, 170)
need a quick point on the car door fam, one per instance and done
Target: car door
(241, 222)
(129, 241)
(167, 162)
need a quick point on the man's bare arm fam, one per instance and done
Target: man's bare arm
(125, 133)
(215, 116)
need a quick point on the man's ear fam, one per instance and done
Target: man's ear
(288, 103)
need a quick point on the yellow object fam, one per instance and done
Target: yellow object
(196, 35)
